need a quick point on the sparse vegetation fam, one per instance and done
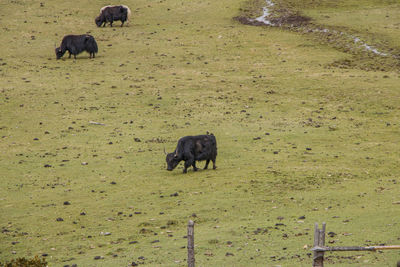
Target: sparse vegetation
(23, 262)
(305, 133)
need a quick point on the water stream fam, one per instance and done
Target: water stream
(267, 12)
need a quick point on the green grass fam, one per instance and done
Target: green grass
(296, 137)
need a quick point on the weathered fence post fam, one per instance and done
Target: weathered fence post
(319, 241)
(190, 245)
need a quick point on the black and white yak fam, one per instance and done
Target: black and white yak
(113, 13)
(76, 44)
(191, 149)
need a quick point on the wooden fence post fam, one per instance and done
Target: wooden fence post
(319, 241)
(190, 245)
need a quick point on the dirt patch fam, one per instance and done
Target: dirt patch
(290, 19)
(285, 19)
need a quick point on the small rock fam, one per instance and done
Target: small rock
(174, 194)
(229, 254)
(83, 213)
(59, 219)
(331, 234)
(302, 217)
(98, 257)
(67, 203)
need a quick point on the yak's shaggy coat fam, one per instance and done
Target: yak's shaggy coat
(76, 44)
(113, 13)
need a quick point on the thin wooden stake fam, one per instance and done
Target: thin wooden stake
(190, 246)
(319, 239)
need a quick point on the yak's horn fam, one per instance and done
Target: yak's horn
(165, 152)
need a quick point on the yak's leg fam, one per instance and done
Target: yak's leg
(214, 166)
(74, 56)
(194, 166)
(205, 167)
(189, 162)
(122, 23)
(69, 54)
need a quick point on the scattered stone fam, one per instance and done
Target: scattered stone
(229, 254)
(331, 234)
(113, 182)
(59, 219)
(302, 217)
(98, 257)
(133, 242)
(174, 194)
(67, 203)
(83, 213)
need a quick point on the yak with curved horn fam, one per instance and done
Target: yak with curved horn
(191, 149)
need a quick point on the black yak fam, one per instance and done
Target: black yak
(113, 13)
(76, 44)
(191, 149)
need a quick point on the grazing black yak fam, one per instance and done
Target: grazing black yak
(192, 148)
(113, 13)
(76, 44)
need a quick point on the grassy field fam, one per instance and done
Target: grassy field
(299, 140)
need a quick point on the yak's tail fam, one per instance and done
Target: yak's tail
(129, 13)
(91, 44)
